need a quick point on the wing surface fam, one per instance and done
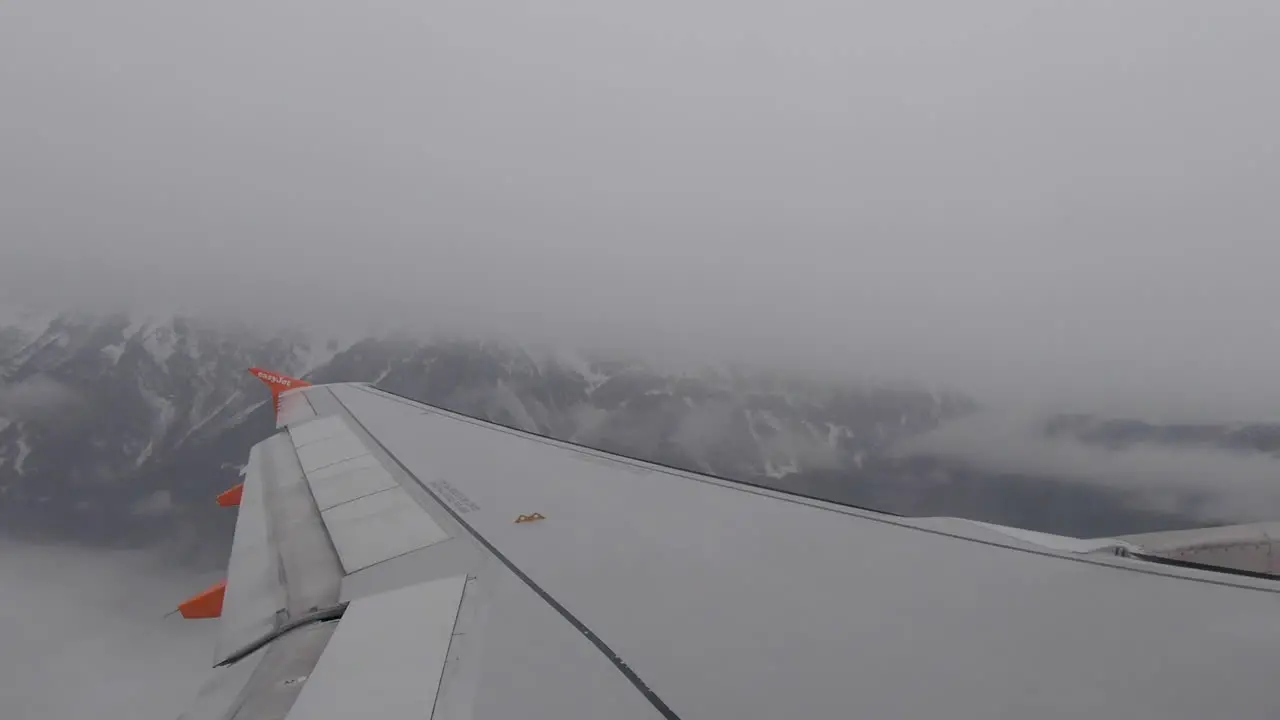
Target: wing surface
(396, 560)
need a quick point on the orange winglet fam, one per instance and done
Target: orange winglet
(207, 604)
(231, 498)
(278, 384)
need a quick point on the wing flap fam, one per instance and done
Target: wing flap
(265, 684)
(1249, 548)
(331, 450)
(386, 657)
(369, 518)
(305, 433)
(379, 527)
(349, 480)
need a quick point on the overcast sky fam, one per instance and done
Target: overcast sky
(1018, 196)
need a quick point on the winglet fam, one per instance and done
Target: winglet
(207, 604)
(231, 498)
(278, 384)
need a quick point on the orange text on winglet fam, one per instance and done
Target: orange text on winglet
(278, 384)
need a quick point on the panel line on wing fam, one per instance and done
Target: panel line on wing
(648, 693)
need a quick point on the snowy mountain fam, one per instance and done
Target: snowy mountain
(94, 408)
(118, 429)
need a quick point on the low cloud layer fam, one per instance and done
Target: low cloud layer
(35, 397)
(84, 635)
(1023, 198)
(1226, 485)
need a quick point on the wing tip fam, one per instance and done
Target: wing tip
(278, 383)
(207, 604)
(231, 498)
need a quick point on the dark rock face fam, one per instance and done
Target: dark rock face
(122, 430)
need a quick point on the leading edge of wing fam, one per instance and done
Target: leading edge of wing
(1105, 551)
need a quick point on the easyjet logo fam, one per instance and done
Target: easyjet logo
(275, 379)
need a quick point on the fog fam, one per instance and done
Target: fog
(1229, 486)
(84, 635)
(35, 397)
(1071, 199)
(1066, 205)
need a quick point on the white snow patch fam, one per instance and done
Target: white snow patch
(146, 453)
(240, 416)
(113, 352)
(314, 355)
(836, 432)
(240, 469)
(751, 426)
(135, 327)
(780, 471)
(579, 364)
(23, 451)
(162, 415)
(779, 448)
(509, 401)
(383, 375)
(160, 342)
(195, 428)
(771, 420)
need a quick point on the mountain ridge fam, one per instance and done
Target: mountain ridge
(130, 426)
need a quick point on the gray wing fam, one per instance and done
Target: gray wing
(394, 560)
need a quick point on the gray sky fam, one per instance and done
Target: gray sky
(1071, 199)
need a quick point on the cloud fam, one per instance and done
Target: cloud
(36, 397)
(1227, 485)
(1021, 198)
(84, 635)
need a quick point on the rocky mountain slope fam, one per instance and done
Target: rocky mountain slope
(118, 429)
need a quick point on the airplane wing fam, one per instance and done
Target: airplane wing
(395, 560)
